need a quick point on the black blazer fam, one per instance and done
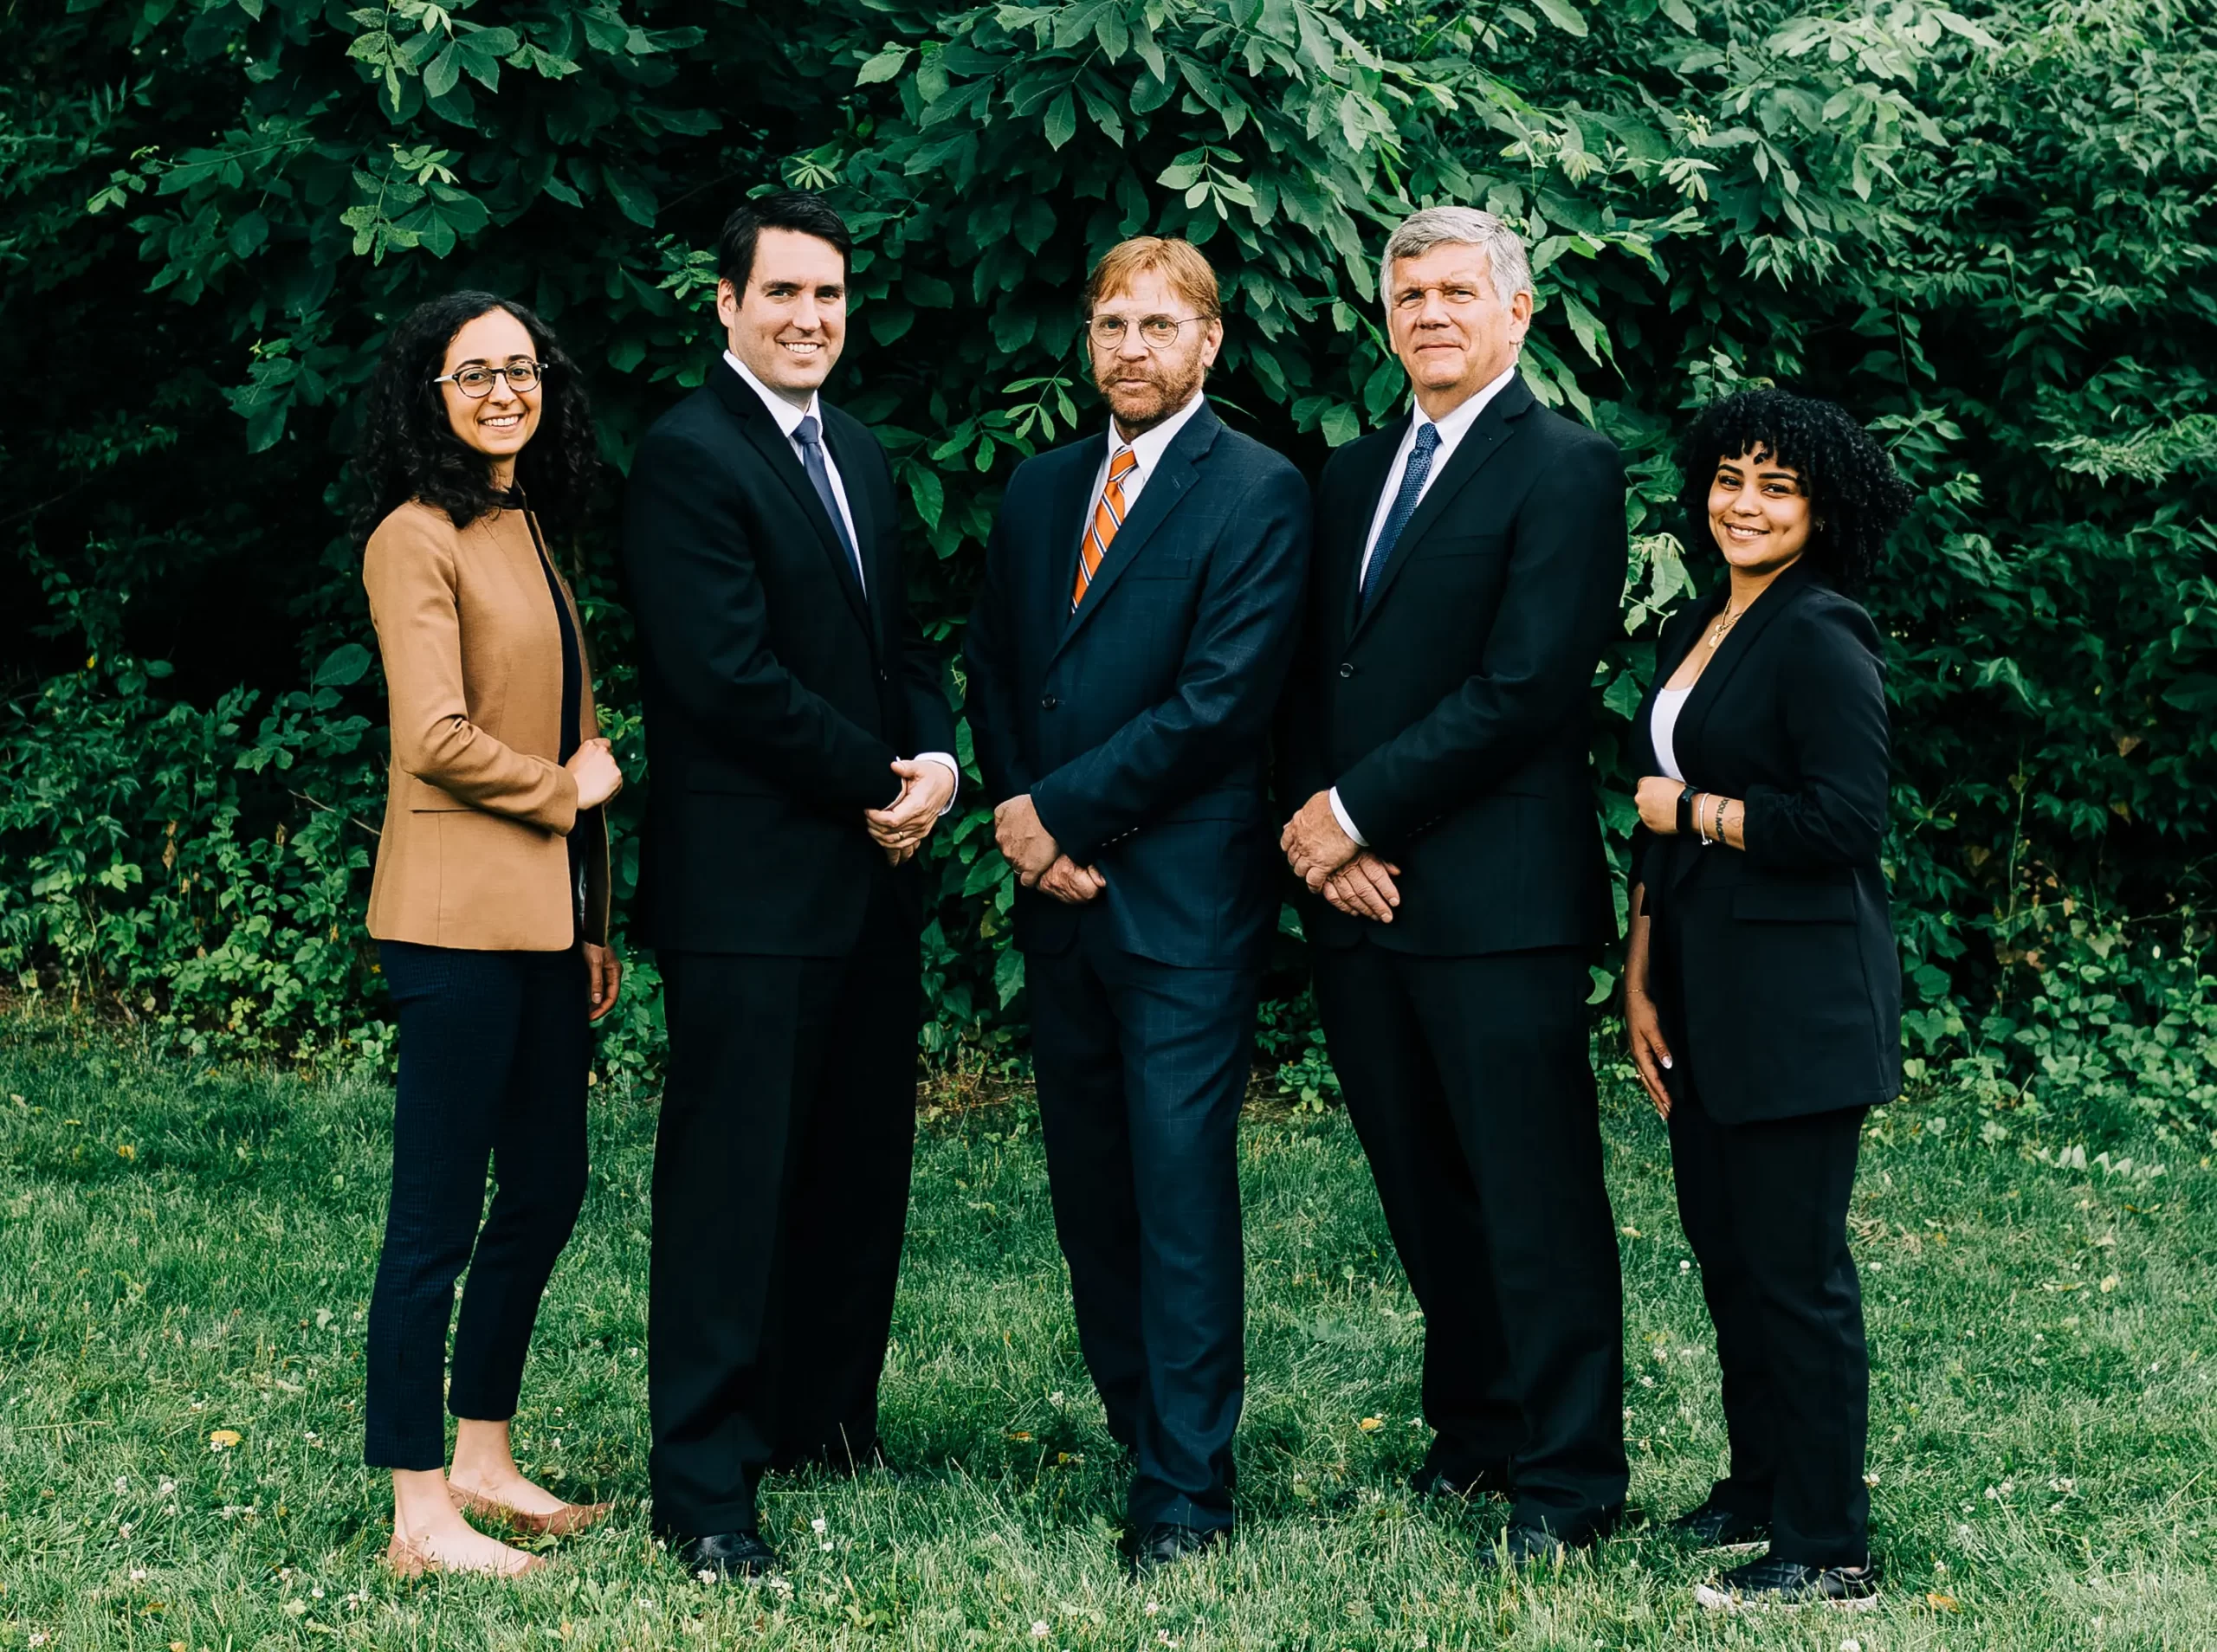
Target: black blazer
(1775, 968)
(1140, 724)
(1451, 712)
(776, 693)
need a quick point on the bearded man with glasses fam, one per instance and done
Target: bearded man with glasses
(1142, 589)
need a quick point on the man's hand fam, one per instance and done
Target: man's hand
(1364, 888)
(604, 979)
(1072, 884)
(1024, 843)
(902, 823)
(1314, 844)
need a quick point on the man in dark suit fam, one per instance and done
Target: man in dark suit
(1142, 591)
(798, 735)
(1470, 564)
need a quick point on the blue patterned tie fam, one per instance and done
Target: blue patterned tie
(819, 475)
(1405, 504)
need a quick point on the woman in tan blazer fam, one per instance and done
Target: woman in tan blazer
(490, 901)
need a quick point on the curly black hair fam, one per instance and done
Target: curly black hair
(408, 449)
(1855, 496)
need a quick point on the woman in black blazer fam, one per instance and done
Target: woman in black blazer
(1763, 989)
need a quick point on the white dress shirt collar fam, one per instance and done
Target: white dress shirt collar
(1456, 424)
(1148, 446)
(787, 415)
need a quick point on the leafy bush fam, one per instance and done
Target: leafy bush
(1989, 234)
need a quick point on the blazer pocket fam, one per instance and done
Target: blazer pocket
(1442, 546)
(1152, 564)
(422, 797)
(1771, 903)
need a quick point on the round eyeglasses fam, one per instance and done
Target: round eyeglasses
(475, 381)
(1160, 332)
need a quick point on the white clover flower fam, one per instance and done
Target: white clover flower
(122, 1484)
(1039, 1629)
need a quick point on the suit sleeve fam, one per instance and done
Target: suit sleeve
(989, 651)
(697, 596)
(409, 571)
(1565, 587)
(1236, 662)
(1835, 715)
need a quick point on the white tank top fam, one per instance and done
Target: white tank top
(1669, 702)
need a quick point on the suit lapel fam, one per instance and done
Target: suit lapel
(1375, 465)
(1066, 519)
(1479, 444)
(847, 454)
(1157, 499)
(1738, 643)
(759, 429)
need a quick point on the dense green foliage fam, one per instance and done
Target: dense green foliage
(2041, 1417)
(1988, 232)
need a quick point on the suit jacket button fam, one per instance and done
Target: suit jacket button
(1047, 702)
(1347, 669)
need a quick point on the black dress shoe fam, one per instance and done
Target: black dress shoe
(1166, 1543)
(837, 1461)
(1488, 1480)
(1716, 1529)
(727, 1554)
(1524, 1546)
(1789, 1583)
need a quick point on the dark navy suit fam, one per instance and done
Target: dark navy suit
(1139, 726)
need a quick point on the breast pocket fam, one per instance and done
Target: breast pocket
(1160, 564)
(1446, 547)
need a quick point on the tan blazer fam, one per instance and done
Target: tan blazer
(473, 852)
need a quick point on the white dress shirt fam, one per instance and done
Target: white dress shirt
(1147, 448)
(1452, 428)
(789, 417)
(1663, 727)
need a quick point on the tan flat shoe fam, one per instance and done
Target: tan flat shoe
(565, 1522)
(407, 1560)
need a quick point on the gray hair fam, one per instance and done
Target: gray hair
(1421, 231)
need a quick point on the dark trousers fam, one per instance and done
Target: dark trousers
(1468, 1081)
(780, 1198)
(1765, 1206)
(494, 1055)
(1141, 1067)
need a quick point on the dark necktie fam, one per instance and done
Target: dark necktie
(1405, 504)
(810, 436)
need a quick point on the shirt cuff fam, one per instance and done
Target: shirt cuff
(1346, 824)
(945, 760)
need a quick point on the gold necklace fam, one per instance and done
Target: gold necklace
(1725, 621)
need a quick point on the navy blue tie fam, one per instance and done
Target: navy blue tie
(819, 475)
(1405, 504)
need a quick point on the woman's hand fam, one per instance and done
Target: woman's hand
(1658, 803)
(604, 979)
(1644, 1030)
(593, 767)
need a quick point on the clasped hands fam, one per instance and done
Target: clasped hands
(1039, 864)
(1332, 864)
(901, 827)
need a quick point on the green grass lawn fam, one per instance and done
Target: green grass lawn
(185, 1253)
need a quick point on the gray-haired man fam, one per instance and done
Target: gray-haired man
(1468, 567)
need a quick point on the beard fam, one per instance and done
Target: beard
(1164, 388)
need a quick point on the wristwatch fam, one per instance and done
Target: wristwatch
(1686, 812)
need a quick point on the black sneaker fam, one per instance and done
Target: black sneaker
(1715, 1529)
(1789, 1584)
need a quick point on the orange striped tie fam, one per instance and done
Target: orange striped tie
(1108, 517)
